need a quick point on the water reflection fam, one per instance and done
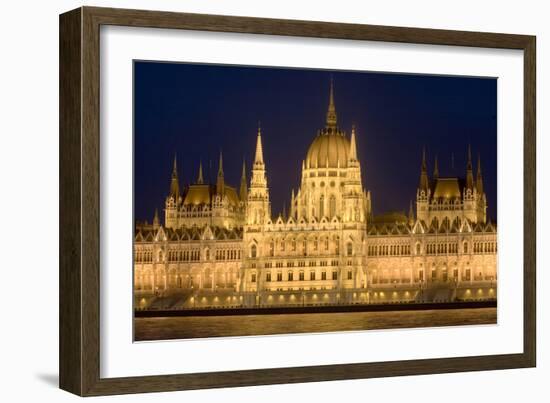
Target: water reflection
(218, 326)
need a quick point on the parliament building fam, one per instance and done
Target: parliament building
(220, 246)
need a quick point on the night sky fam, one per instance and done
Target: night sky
(198, 110)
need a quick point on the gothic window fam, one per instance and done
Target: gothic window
(207, 254)
(304, 247)
(326, 243)
(279, 276)
(253, 251)
(322, 206)
(293, 244)
(337, 245)
(323, 275)
(271, 248)
(332, 206)
(349, 250)
(315, 244)
(465, 247)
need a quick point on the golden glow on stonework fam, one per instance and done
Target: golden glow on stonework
(221, 247)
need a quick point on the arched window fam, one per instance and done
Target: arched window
(326, 243)
(332, 206)
(322, 206)
(207, 254)
(253, 251)
(349, 249)
(465, 247)
(271, 248)
(418, 249)
(337, 245)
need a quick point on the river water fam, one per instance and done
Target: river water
(219, 326)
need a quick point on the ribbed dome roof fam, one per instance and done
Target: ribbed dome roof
(328, 151)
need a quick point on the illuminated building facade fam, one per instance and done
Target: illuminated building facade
(221, 247)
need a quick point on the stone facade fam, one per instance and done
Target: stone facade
(220, 247)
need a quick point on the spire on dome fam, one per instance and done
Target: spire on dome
(331, 113)
(353, 146)
(220, 165)
(175, 166)
(259, 156)
(200, 179)
(436, 169)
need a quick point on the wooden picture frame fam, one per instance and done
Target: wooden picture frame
(79, 346)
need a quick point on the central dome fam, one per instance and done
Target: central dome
(328, 151)
(331, 148)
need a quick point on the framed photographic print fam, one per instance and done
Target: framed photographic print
(250, 201)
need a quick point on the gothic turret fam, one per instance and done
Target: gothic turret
(220, 182)
(479, 178)
(469, 171)
(411, 214)
(258, 209)
(156, 220)
(423, 183)
(174, 182)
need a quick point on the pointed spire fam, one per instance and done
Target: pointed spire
(156, 220)
(243, 193)
(220, 183)
(353, 146)
(423, 185)
(479, 179)
(174, 182)
(331, 113)
(200, 179)
(175, 166)
(220, 165)
(469, 170)
(259, 156)
(411, 214)
(436, 169)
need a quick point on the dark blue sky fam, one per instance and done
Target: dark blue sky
(196, 110)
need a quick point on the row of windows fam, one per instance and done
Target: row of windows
(485, 247)
(230, 254)
(301, 276)
(292, 246)
(442, 248)
(144, 256)
(303, 247)
(302, 263)
(442, 275)
(183, 256)
(389, 250)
